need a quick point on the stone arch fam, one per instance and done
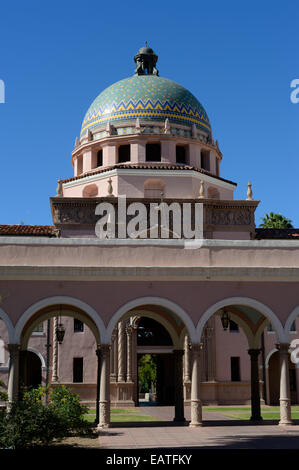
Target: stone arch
(175, 308)
(39, 354)
(9, 325)
(260, 307)
(274, 350)
(164, 322)
(291, 318)
(86, 313)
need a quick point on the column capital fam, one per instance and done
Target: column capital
(14, 348)
(283, 347)
(178, 352)
(196, 348)
(254, 353)
(129, 330)
(104, 349)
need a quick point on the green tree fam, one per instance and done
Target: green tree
(273, 220)
(147, 371)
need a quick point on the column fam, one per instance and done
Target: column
(255, 385)
(285, 395)
(113, 356)
(55, 352)
(129, 331)
(196, 412)
(187, 372)
(121, 352)
(178, 381)
(98, 353)
(297, 383)
(13, 378)
(104, 413)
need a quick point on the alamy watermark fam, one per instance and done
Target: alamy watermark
(295, 93)
(156, 220)
(2, 91)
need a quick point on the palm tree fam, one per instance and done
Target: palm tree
(272, 220)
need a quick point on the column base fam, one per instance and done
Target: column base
(195, 425)
(103, 426)
(285, 423)
(179, 420)
(256, 419)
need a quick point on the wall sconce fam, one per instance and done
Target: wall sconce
(60, 329)
(225, 319)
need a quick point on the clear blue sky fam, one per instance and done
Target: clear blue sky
(238, 58)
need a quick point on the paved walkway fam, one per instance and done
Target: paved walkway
(217, 432)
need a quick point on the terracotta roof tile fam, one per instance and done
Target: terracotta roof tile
(29, 230)
(150, 166)
(277, 233)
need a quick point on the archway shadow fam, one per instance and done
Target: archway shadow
(148, 424)
(205, 423)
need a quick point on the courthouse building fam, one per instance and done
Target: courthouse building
(149, 253)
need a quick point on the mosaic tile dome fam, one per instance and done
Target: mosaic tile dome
(149, 98)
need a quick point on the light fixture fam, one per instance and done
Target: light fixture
(225, 319)
(60, 329)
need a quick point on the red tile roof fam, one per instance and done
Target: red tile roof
(277, 233)
(147, 166)
(29, 230)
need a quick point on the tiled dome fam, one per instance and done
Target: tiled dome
(149, 98)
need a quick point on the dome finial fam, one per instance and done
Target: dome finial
(146, 60)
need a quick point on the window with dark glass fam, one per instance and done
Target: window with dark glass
(180, 154)
(100, 157)
(78, 325)
(77, 369)
(233, 326)
(153, 153)
(235, 369)
(124, 153)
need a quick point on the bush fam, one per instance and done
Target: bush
(31, 422)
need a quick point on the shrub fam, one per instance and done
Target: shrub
(30, 421)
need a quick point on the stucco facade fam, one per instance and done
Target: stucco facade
(154, 152)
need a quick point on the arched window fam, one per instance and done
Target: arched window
(154, 188)
(79, 165)
(91, 190)
(124, 153)
(153, 153)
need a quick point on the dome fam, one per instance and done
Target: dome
(149, 98)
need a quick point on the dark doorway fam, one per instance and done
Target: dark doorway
(165, 380)
(30, 370)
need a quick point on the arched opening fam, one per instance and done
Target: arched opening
(205, 159)
(70, 360)
(147, 358)
(100, 157)
(155, 363)
(153, 152)
(181, 154)
(124, 153)
(238, 373)
(30, 370)
(274, 379)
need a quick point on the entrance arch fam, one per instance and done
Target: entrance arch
(246, 301)
(159, 301)
(33, 315)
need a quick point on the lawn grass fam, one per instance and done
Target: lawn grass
(122, 415)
